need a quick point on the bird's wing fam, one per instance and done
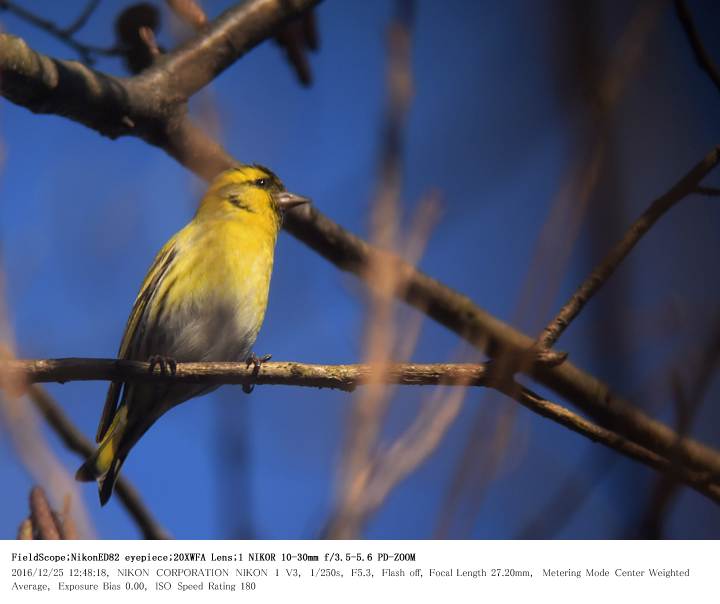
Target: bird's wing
(135, 327)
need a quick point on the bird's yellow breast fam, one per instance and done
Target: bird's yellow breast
(222, 268)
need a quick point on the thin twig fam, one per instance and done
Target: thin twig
(64, 34)
(76, 442)
(684, 187)
(701, 54)
(703, 482)
(708, 191)
(82, 18)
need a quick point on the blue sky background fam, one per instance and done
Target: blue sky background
(494, 126)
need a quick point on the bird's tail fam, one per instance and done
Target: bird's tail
(104, 465)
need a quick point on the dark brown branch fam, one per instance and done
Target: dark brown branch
(703, 482)
(708, 191)
(115, 107)
(82, 18)
(701, 54)
(684, 187)
(76, 442)
(199, 61)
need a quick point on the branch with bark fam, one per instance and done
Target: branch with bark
(339, 377)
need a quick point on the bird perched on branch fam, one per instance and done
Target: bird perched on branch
(203, 299)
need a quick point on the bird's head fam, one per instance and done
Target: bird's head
(248, 194)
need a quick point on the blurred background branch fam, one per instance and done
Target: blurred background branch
(44, 522)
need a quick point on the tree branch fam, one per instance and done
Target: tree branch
(339, 377)
(195, 64)
(707, 191)
(701, 54)
(685, 186)
(703, 482)
(116, 107)
(64, 34)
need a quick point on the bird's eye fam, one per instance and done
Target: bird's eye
(263, 183)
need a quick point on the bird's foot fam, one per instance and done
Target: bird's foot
(166, 364)
(256, 361)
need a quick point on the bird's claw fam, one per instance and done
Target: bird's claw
(256, 361)
(165, 364)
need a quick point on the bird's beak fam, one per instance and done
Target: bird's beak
(286, 200)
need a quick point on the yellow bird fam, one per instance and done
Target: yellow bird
(203, 299)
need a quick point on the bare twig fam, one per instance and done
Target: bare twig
(76, 442)
(703, 482)
(199, 61)
(708, 191)
(82, 18)
(296, 38)
(86, 52)
(684, 187)
(340, 377)
(701, 54)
